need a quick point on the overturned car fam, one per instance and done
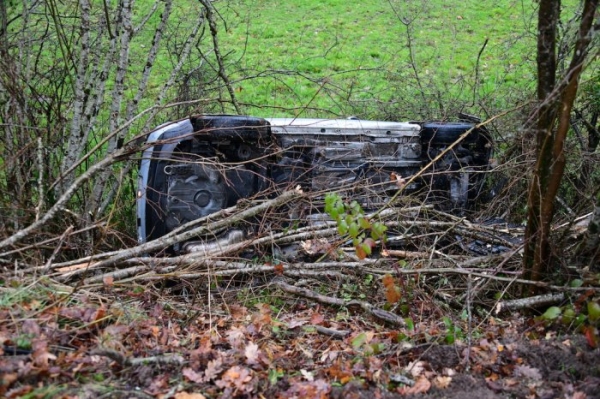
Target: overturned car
(200, 165)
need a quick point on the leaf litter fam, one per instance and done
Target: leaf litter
(160, 344)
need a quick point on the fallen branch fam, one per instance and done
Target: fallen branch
(531, 302)
(125, 361)
(367, 307)
(177, 236)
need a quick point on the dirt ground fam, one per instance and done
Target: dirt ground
(139, 344)
(546, 369)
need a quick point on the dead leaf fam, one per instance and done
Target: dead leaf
(415, 368)
(41, 356)
(441, 382)
(185, 395)
(388, 280)
(235, 337)
(108, 280)
(392, 292)
(398, 179)
(278, 269)
(308, 376)
(316, 318)
(237, 311)
(213, 369)
(192, 375)
(251, 352)
(421, 386)
(236, 377)
(528, 372)
(317, 246)
(578, 395)
(31, 327)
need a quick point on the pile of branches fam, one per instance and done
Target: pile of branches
(454, 259)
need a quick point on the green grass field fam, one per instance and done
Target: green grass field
(335, 57)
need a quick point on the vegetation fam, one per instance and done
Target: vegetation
(405, 300)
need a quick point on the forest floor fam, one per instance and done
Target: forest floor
(124, 341)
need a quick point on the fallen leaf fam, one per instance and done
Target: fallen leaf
(278, 269)
(442, 382)
(415, 368)
(578, 395)
(108, 280)
(251, 352)
(316, 318)
(41, 356)
(236, 377)
(192, 375)
(296, 323)
(235, 337)
(421, 386)
(213, 369)
(237, 311)
(308, 376)
(591, 336)
(528, 372)
(185, 395)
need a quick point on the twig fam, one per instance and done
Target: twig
(331, 332)
(374, 311)
(125, 361)
(66, 233)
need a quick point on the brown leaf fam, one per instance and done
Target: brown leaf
(185, 395)
(237, 311)
(416, 368)
(578, 395)
(360, 253)
(192, 375)
(236, 377)
(421, 386)
(31, 327)
(278, 269)
(252, 352)
(528, 372)
(388, 280)
(213, 369)
(235, 337)
(392, 294)
(41, 356)
(108, 280)
(442, 382)
(317, 318)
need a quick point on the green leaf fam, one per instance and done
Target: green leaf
(353, 230)
(342, 227)
(568, 316)
(593, 309)
(359, 341)
(366, 248)
(364, 223)
(551, 313)
(355, 207)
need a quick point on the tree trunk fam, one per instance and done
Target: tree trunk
(552, 124)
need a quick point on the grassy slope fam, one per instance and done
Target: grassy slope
(359, 49)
